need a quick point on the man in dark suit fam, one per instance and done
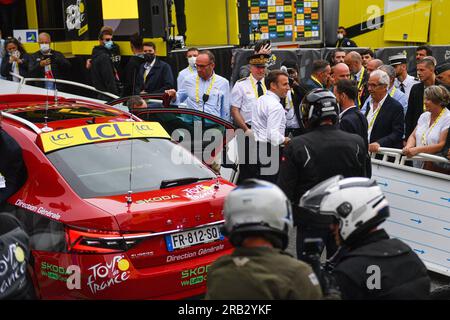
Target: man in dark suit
(425, 71)
(351, 119)
(154, 76)
(384, 115)
(320, 76)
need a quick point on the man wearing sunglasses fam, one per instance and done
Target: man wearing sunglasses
(205, 91)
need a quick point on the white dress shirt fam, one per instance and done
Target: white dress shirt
(372, 113)
(269, 119)
(408, 83)
(245, 95)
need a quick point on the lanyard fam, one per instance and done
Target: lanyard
(317, 81)
(427, 132)
(290, 106)
(375, 116)
(197, 88)
(190, 69)
(361, 77)
(393, 91)
(254, 87)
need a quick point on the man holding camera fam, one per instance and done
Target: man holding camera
(47, 63)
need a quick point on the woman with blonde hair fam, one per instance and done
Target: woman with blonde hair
(431, 131)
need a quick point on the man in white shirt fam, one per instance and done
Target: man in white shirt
(269, 124)
(206, 91)
(404, 81)
(191, 56)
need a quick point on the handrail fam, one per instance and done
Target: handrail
(23, 121)
(24, 80)
(401, 158)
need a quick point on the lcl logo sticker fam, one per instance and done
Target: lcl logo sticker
(62, 139)
(143, 128)
(101, 132)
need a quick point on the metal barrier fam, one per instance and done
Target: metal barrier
(419, 202)
(400, 158)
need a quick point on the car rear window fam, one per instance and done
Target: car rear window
(103, 169)
(38, 115)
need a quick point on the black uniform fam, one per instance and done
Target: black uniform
(402, 274)
(345, 43)
(310, 159)
(104, 72)
(131, 74)
(12, 167)
(59, 64)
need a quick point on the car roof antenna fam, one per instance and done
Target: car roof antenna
(130, 192)
(46, 128)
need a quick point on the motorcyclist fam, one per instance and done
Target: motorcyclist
(257, 220)
(369, 264)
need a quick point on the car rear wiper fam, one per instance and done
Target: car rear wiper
(181, 181)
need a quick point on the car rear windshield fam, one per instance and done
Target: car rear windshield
(103, 169)
(38, 114)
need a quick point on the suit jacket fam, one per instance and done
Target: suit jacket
(353, 121)
(159, 79)
(389, 126)
(415, 108)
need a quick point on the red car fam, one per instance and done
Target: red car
(110, 216)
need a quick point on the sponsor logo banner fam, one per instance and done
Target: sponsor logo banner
(60, 139)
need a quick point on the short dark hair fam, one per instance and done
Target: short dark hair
(429, 61)
(149, 44)
(212, 58)
(192, 49)
(348, 87)
(17, 43)
(272, 77)
(319, 66)
(426, 48)
(105, 30)
(134, 101)
(367, 51)
(136, 41)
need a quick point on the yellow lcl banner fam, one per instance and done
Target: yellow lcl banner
(101, 132)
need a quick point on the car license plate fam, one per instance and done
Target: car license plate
(193, 237)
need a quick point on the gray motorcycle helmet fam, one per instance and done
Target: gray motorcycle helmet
(257, 207)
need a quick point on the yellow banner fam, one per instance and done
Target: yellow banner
(93, 133)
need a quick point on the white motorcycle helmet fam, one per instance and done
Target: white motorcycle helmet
(257, 207)
(357, 203)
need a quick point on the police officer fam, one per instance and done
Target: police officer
(244, 96)
(12, 167)
(315, 156)
(358, 206)
(269, 124)
(257, 220)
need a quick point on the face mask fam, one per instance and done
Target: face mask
(140, 55)
(109, 44)
(45, 47)
(340, 36)
(149, 57)
(191, 61)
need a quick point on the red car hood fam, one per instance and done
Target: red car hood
(168, 209)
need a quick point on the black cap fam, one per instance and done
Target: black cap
(259, 59)
(442, 68)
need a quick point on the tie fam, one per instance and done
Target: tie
(260, 89)
(402, 87)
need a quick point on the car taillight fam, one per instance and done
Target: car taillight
(97, 241)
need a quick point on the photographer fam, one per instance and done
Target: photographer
(47, 63)
(369, 264)
(16, 60)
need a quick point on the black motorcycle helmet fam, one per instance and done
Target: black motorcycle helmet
(318, 105)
